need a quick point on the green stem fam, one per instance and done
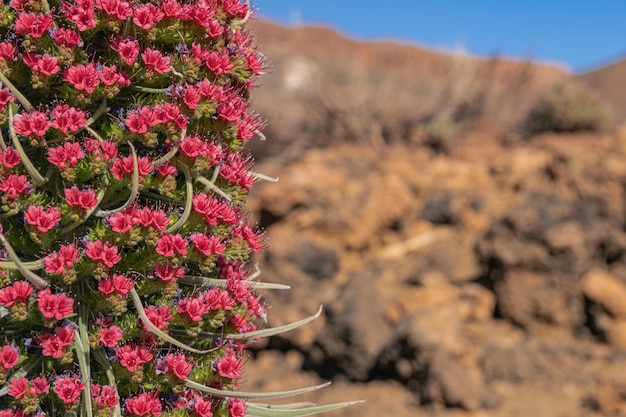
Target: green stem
(20, 97)
(28, 165)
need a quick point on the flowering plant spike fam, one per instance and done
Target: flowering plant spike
(125, 288)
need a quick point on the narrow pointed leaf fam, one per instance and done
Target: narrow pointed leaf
(134, 192)
(205, 281)
(3, 144)
(35, 176)
(144, 318)
(101, 110)
(188, 201)
(260, 410)
(213, 187)
(108, 370)
(34, 279)
(23, 370)
(88, 214)
(290, 406)
(17, 93)
(251, 395)
(31, 265)
(258, 175)
(272, 331)
(172, 152)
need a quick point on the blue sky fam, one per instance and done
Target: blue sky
(578, 34)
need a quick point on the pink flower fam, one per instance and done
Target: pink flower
(155, 61)
(147, 15)
(167, 272)
(18, 293)
(103, 253)
(128, 49)
(45, 65)
(32, 25)
(120, 222)
(144, 404)
(56, 345)
(117, 9)
(68, 119)
(82, 77)
(42, 219)
(203, 407)
(219, 63)
(194, 308)
(170, 245)
(83, 200)
(17, 387)
(15, 186)
(67, 38)
(66, 156)
(34, 124)
(132, 357)
(159, 316)
(9, 158)
(105, 396)
(229, 366)
(178, 365)
(9, 357)
(68, 389)
(207, 245)
(237, 407)
(124, 166)
(110, 336)
(83, 16)
(118, 284)
(54, 306)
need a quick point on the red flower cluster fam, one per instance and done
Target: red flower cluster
(122, 194)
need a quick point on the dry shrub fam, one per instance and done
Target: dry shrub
(568, 107)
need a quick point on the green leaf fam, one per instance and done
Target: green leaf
(266, 410)
(101, 110)
(263, 332)
(251, 395)
(142, 315)
(205, 281)
(17, 93)
(211, 185)
(106, 365)
(32, 363)
(188, 202)
(32, 265)
(88, 214)
(34, 279)
(35, 176)
(134, 192)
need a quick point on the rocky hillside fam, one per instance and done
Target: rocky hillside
(481, 272)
